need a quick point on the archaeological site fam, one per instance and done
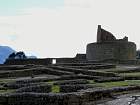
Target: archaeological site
(108, 74)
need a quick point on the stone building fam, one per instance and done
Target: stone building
(108, 47)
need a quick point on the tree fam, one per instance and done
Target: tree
(17, 55)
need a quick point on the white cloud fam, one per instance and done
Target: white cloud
(66, 31)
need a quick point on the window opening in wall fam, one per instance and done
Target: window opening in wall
(54, 61)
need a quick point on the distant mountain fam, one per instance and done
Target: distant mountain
(5, 51)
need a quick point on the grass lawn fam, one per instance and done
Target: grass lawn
(55, 89)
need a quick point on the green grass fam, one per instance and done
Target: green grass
(6, 80)
(55, 89)
(50, 82)
(111, 84)
(6, 91)
(117, 84)
(91, 81)
(135, 74)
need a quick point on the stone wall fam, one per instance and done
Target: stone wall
(74, 88)
(37, 89)
(28, 61)
(65, 60)
(111, 50)
(74, 98)
(80, 57)
(46, 61)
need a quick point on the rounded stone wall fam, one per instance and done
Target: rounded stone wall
(111, 50)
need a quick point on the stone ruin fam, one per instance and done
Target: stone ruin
(105, 36)
(80, 80)
(108, 47)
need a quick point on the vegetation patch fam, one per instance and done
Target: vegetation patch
(91, 81)
(6, 80)
(135, 74)
(7, 91)
(50, 82)
(55, 89)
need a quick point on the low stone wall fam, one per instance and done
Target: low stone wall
(71, 82)
(55, 72)
(75, 98)
(79, 64)
(46, 61)
(109, 79)
(73, 88)
(33, 71)
(65, 60)
(94, 67)
(129, 62)
(85, 72)
(36, 89)
(14, 67)
(116, 61)
(70, 77)
(46, 79)
(14, 85)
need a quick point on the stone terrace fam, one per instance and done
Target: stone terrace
(65, 83)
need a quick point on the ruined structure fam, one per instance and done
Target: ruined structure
(44, 61)
(108, 47)
(86, 79)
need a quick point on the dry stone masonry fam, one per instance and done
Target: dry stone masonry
(108, 47)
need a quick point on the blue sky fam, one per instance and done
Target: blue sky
(13, 7)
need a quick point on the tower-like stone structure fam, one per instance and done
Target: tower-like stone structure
(108, 47)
